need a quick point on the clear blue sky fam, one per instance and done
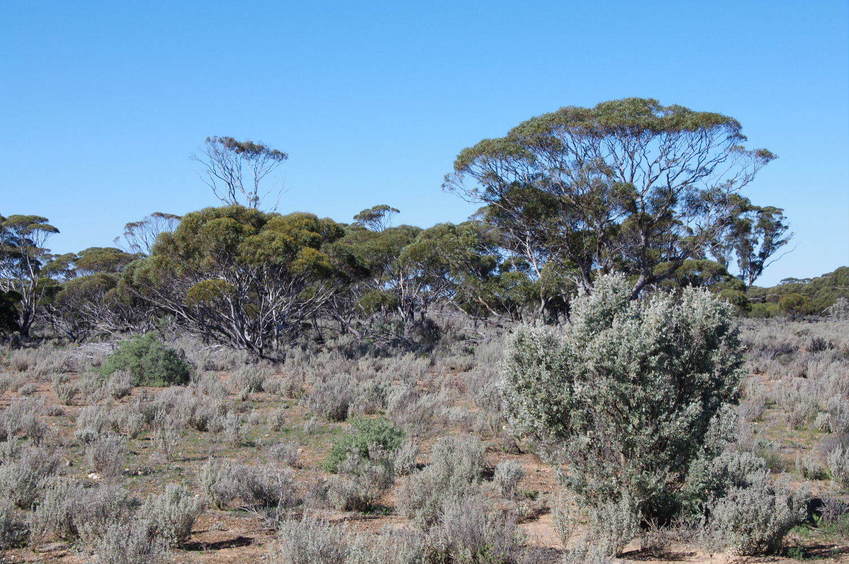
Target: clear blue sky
(103, 102)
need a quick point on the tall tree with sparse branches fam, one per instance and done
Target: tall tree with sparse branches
(237, 171)
(139, 236)
(628, 185)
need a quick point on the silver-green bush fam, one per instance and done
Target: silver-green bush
(310, 541)
(627, 389)
(753, 519)
(172, 514)
(130, 543)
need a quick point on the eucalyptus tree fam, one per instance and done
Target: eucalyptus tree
(754, 235)
(393, 278)
(23, 256)
(139, 236)
(239, 276)
(236, 171)
(376, 218)
(85, 296)
(367, 294)
(626, 185)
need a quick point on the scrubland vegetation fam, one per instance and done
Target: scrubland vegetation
(574, 375)
(671, 453)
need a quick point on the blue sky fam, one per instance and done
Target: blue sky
(104, 102)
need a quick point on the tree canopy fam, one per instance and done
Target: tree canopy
(626, 185)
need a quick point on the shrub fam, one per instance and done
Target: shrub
(258, 486)
(459, 457)
(120, 384)
(13, 530)
(564, 517)
(360, 484)
(752, 520)
(332, 398)
(391, 547)
(71, 511)
(713, 478)
(810, 468)
(277, 420)
(149, 362)
(365, 434)
(507, 476)
(455, 468)
(166, 434)
(614, 524)
(230, 425)
(172, 514)
(310, 541)
(470, 531)
(405, 457)
(838, 465)
(130, 543)
(628, 389)
(22, 480)
(106, 455)
(92, 422)
(285, 452)
(250, 379)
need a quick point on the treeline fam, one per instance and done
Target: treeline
(823, 295)
(652, 191)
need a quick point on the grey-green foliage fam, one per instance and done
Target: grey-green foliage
(130, 542)
(70, 511)
(172, 514)
(838, 465)
(753, 519)
(454, 471)
(22, 478)
(13, 529)
(310, 541)
(471, 530)
(711, 478)
(627, 389)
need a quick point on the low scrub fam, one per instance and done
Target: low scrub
(365, 435)
(149, 362)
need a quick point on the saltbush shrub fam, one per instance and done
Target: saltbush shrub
(754, 519)
(454, 472)
(838, 465)
(469, 530)
(310, 541)
(22, 479)
(13, 529)
(627, 390)
(71, 511)
(507, 476)
(360, 483)
(149, 362)
(130, 543)
(172, 514)
(264, 485)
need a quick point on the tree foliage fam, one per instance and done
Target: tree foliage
(239, 276)
(627, 185)
(237, 170)
(139, 236)
(22, 260)
(376, 218)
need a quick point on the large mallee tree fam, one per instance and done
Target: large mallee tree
(628, 185)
